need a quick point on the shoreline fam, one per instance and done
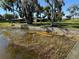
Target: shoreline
(39, 28)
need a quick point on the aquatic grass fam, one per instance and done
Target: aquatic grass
(42, 45)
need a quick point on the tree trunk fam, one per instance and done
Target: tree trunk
(53, 12)
(29, 18)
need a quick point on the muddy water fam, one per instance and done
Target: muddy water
(8, 50)
(3, 45)
(35, 45)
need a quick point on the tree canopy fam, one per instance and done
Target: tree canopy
(26, 8)
(74, 10)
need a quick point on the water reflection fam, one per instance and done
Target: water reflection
(18, 52)
(3, 45)
(9, 50)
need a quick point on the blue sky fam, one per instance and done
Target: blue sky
(42, 2)
(67, 4)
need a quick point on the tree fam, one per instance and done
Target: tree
(47, 12)
(73, 9)
(25, 8)
(9, 16)
(5, 6)
(68, 17)
(38, 10)
(56, 7)
(1, 18)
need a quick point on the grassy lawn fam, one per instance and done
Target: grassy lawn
(41, 23)
(73, 23)
(7, 24)
(72, 20)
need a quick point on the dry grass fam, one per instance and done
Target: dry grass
(43, 45)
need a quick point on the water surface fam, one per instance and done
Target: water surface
(23, 44)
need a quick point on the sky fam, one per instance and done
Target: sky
(67, 4)
(64, 9)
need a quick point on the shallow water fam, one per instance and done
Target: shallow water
(4, 46)
(35, 45)
(9, 50)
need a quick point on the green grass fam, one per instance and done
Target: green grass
(66, 23)
(73, 24)
(7, 24)
(41, 23)
(72, 20)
